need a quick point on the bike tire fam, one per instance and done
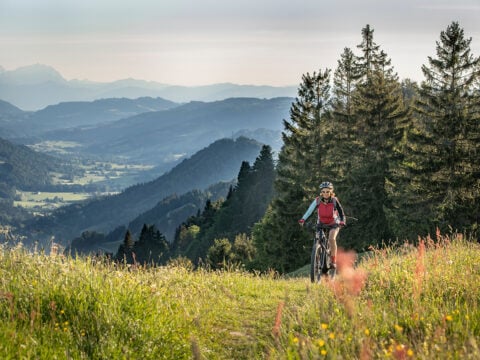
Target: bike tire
(323, 261)
(317, 263)
(314, 264)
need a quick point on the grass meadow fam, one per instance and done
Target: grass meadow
(404, 302)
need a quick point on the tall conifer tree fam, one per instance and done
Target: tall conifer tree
(344, 120)
(447, 158)
(124, 253)
(280, 242)
(380, 120)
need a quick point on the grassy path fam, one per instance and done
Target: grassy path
(418, 303)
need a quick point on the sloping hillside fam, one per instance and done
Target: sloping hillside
(165, 216)
(8, 109)
(24, 168)
(10, 119)
(218, 162)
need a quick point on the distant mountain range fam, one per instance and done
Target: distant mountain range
(16, 123)
(167, 136)
(37, 86)
(144, 130)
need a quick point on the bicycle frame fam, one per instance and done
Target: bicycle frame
(320, 257)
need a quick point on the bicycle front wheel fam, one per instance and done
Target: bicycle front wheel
(316, 263)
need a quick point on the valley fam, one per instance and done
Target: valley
(91, 179)
(84, 168)
(65, 174)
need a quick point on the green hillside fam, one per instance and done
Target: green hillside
(23, 168)
(404, 303)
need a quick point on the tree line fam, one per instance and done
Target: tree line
(217, 234)
(404, 159)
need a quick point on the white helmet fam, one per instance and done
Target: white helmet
(327, 185)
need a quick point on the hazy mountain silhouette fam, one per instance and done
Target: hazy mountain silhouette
(165, 137)
(82, 113)
(8, 109)
(10, 120)
(37, 86)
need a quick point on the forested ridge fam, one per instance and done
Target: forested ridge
(24, 168)
(217, 235)
(404, 158)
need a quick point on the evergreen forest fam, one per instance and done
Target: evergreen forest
(404, 159)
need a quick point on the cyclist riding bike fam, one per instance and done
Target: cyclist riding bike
(330, 214)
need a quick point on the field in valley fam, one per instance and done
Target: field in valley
(107, 177)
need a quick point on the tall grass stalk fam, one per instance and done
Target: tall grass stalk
(401, 302)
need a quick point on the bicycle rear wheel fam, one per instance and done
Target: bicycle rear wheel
(318, 263)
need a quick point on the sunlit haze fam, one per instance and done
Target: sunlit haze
(260, 42)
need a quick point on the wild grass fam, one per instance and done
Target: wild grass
(400, 303)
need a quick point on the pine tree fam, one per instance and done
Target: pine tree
(247, 202)
(344, 121)
(379, 121)
(151, 246)
(244, 206)
(260, 193)
(446, 161)
(231, 216)
(370, 52)
(279, 241)
(189, 236)
(124, 253)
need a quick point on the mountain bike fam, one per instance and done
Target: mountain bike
(320, 258)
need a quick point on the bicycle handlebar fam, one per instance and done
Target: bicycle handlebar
(312, 225)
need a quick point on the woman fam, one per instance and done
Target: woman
(330, 214)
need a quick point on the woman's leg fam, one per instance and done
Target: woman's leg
(332, 239)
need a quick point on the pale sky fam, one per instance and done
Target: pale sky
(200, 42)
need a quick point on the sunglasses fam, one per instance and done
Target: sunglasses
(325, 192)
